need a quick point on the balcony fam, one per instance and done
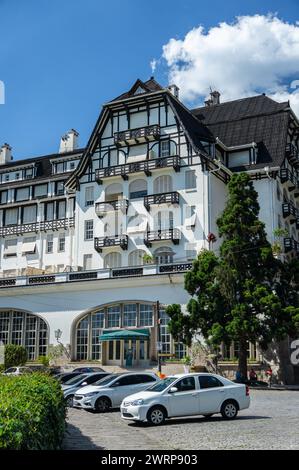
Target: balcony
(145, 166)
(37, 227)
(162, 198)
(108, 242)
(289, 211)
(292, 154)
(172, 234)
(290, 244)
(95, 275)
(137, 136)
(289, 179)
(102, 208)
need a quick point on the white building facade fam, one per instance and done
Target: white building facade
(95, 242)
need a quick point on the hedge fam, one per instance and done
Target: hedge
(32, 412)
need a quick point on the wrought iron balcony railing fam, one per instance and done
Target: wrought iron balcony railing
(37, 227)
(290, 178)
(172, 197)
(135, 136)
(102, 208)
(289, 210)
(172, 234)
(95, 275)
(145, 166)
(108, 241)
(290, 244)
(292, 154)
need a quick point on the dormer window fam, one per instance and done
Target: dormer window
(139, 91)
(17, 176)
(28, 174)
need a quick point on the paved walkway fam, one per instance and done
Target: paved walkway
(271, 422)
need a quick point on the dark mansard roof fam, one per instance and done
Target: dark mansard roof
(256, 119)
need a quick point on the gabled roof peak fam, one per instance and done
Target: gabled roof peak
(139, 87)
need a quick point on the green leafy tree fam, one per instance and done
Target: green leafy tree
(14, 355)
(245, 293)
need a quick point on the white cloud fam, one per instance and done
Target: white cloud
(252, 55)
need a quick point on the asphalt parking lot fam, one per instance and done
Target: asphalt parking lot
(271, 422)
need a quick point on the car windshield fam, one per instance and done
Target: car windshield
(76, 379)
(161, 385)
(106, 380)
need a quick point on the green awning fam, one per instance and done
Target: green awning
(124, 334)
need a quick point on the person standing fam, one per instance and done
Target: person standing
(269, 374)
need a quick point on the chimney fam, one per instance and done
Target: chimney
(5, 154)
(214, 98)
(174, 90)
(69, 141)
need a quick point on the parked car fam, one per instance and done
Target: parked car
(17, 370)
(186, 395)
(64, 377)
(72, 385)
(109, 392)
(84, 370)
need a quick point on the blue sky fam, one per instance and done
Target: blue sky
(61, 59)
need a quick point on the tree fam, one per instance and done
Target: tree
(243, 294)
(14, 355)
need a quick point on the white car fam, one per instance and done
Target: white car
(186, 395)
(109, 392)
(71, 386)
(20, 370)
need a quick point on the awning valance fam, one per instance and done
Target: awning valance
(124, 334)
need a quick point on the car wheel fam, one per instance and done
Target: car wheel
(208, 416)
(229, 409)
(102, 404)
(156, 416)
(69, 401)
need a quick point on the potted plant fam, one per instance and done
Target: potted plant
(148, 259)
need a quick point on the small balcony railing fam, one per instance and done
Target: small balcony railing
(289, 211)
(145, 166)
(136, 136)
(289, 178)
(37, 227)
(172, 234)
(162, 198)
(290, 244)
(102, 208)
(292, 154)
(107, 242)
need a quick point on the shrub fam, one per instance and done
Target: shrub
(44, 360)
(32, 412)
(14, 355)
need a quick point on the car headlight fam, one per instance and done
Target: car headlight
(137, 402)
(90, 394)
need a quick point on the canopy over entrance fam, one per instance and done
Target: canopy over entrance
(125, 334)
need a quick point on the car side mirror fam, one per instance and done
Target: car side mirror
(173, 390)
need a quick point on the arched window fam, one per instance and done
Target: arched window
(163, 184)
(136, 258)
(92, 325)
(113, 192)
(25, 329)
(138, 189)
(112, 260)
(163, 220)
(164, 255)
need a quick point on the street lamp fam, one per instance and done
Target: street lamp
(58, 334)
